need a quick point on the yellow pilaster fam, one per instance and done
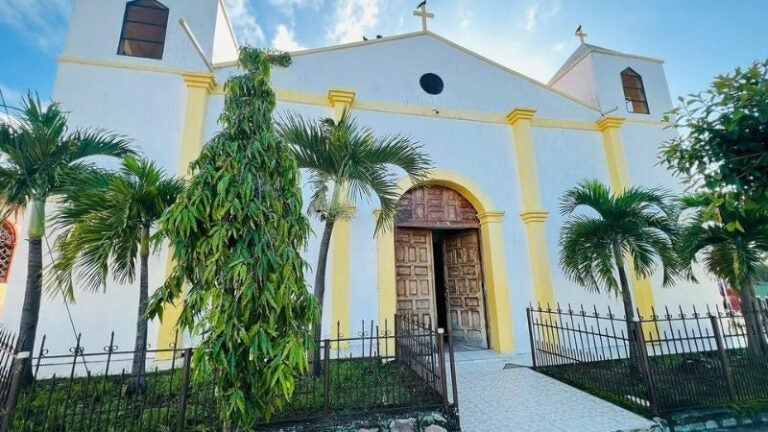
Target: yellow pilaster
(199, 87)
(386, 285)
(610, 127)
(533, 214)
(340, 100)
(496, 281)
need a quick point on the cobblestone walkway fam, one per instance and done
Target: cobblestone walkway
(494, 399)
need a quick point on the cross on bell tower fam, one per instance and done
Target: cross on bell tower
(421, 11)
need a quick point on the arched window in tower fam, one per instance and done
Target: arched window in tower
(634, 92)
(144, 26)
(7, 244)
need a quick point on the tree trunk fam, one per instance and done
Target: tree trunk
(30, 311)
(138, 367)
(322, 260)
(629, 311)
(757, 347)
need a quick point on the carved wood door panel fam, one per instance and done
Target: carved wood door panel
(435, 207)
(414, 271)
(464, 288)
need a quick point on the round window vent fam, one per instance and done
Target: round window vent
(431, 83)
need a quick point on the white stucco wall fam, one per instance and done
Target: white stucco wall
(579, 81)
(149, 107)
(610, 93)
(95, 26)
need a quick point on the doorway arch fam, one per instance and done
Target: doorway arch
(494, 272)
(438, 263)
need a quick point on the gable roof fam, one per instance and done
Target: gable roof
(585, 49)
(440, 39)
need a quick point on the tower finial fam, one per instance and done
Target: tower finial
(421, 11)
(580, 33)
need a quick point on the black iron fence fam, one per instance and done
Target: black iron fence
(666, 362)
(377, 371)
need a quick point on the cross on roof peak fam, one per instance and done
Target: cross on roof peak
(421, 11)
(580, 34)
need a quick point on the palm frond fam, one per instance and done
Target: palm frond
(102, 220)
(346, 156)
(586, 256)
(590, 193)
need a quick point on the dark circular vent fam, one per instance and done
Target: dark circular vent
(431, 83)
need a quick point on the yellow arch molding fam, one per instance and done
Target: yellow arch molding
(495, 278)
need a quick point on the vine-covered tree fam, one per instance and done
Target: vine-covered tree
(723, 142)
(731, 243)
(108, 221)
(236, 233)
(638, 224)
(346, 162)
(39, 157)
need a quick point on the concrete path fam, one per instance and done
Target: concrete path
(517, 399)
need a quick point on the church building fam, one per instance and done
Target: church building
(472, 247)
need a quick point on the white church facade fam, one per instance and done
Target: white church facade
(473, 246)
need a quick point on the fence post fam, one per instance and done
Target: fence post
(645, 365)
(396, 334)
(17, 369)
(454, 384)
(723, 358)
(184, 395)
(326, 380)
(529, 315)
(441, 359)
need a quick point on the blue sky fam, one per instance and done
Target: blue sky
(698, 38)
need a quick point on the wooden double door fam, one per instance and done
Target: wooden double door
(457, 284)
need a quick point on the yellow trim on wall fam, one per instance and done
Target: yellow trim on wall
(318, 99)
(533, 215)
(340, 255)
(617, 168)
(199, 86)
(141, 67)
(495, 277)
(340, 100)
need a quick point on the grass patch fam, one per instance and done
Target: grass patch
(100, 403)
(681, 381)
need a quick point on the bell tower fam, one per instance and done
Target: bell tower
(618, 84)
(146, 32)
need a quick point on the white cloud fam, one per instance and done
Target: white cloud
(535, 12)
(557, 47)
(285, 40)
(11, 96)
(531, 15)
(42, 22)
(244, 22)
(352, 18)
(288, 6)
(465, 16)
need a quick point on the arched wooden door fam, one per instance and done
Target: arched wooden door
(438, 220)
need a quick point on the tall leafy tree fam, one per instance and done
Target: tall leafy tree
(347, 162)
(108, 222)
(236, 232)
(723, 141)
(732, 244)
(39, 158)
(638, 224)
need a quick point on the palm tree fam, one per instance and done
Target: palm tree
(39, 157)
(107, 222)
(346, 162)
(638, 224)
(731, 241)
